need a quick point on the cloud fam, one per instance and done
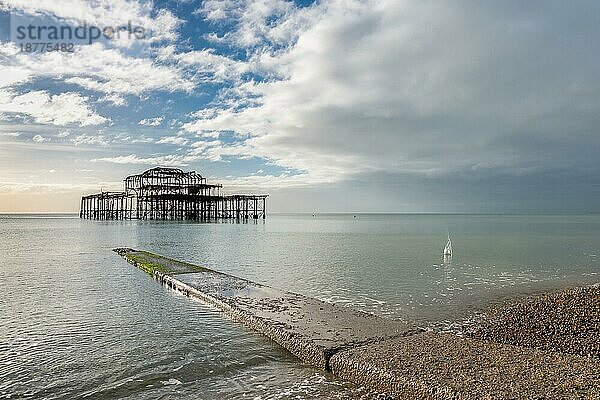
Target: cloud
(176, 140)
(93, 67)
(112, 71)
(96, 67)
(11, 74)
(165, 160)
(109, 71)
(152, 121)
(114, 99)
(258, 22)
(212, 67)
(420, 89)
(94, 140)
(40, 139)
(256, 183)
(207, 66)
(213, 150)
(54, 188)
(60, 109)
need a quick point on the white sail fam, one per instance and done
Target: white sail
(448, 248)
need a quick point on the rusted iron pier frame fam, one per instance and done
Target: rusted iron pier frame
(171, 194)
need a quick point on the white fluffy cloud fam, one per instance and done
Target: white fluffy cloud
(259, 22)
(114, 99)
(60, 109)
(104, 70)
(152, 121)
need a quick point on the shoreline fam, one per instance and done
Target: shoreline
(463, 317)
(561, 320)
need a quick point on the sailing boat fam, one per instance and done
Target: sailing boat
(448, 248)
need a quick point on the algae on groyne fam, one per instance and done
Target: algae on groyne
(386, 355)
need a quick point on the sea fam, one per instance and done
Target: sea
(77, 321)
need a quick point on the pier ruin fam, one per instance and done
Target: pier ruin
(172, 194)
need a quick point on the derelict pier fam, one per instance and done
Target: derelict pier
(172, 194)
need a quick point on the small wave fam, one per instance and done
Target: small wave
(171, 381)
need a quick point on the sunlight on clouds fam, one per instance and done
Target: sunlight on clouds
(109, 71)
(93, 67)
(61, 109)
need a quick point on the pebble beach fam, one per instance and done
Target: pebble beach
(564, 321)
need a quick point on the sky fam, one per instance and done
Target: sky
(330, 105)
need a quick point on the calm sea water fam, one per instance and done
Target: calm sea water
(78, 322)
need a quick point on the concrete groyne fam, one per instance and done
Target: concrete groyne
(387, 355)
